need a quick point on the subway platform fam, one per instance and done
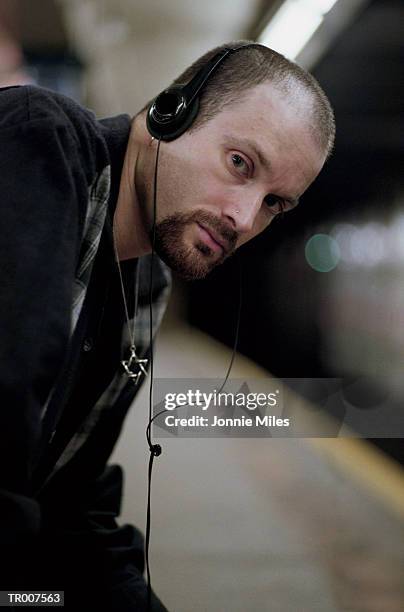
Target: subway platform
(262, 525)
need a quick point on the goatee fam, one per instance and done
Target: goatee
(193, 261)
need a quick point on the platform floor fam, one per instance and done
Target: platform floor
(260, 525)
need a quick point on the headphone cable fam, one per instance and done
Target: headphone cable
(155, 449)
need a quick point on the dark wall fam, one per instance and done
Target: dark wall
(283, 298)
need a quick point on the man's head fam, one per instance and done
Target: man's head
(262, 134)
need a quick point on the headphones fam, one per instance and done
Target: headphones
(172, 112)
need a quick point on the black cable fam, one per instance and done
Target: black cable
(155, 449)
(240, 300)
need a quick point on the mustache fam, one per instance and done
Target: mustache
(210, 221)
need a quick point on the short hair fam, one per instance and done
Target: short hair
(252, 66)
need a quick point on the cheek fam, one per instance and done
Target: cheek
(175, 192)
(193, 189)
(213, 196)
(178, 181)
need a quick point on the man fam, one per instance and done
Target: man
(78, 219)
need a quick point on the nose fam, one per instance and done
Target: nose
(243, 212)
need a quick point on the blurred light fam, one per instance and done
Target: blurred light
(322, 253)
(367, 245)
(344, 233)
(294, 24)
(397, 238)
(371, 244)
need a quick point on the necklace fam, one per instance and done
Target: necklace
(133, 367)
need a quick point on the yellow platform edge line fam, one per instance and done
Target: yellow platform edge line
(370, 467)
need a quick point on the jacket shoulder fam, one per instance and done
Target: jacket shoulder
(14, 106)
(29, 102)
(37, 106)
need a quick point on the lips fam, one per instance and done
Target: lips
(210, 238)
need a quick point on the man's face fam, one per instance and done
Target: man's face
(223, 184)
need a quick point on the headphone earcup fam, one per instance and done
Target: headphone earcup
(170, 115)
(174, 110)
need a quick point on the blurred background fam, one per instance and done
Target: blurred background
(323, 297)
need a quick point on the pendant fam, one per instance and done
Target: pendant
(134, 367)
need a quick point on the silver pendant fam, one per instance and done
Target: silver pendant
(134, 367)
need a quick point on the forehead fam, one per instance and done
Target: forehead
(266, 106)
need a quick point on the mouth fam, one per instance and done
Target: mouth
(211, 239)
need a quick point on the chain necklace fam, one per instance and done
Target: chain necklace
(133, 367)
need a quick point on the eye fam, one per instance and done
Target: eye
(275, 204)
(241, 164)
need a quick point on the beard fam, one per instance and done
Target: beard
(195, 260)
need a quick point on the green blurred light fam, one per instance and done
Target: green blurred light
(322, 252)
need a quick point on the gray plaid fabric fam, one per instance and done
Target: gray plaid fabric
(97, 206)
(96, 213)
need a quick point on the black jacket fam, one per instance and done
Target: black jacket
(61, 340)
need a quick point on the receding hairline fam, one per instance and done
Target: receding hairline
(254, 64)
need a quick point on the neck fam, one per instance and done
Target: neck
(130, 235)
